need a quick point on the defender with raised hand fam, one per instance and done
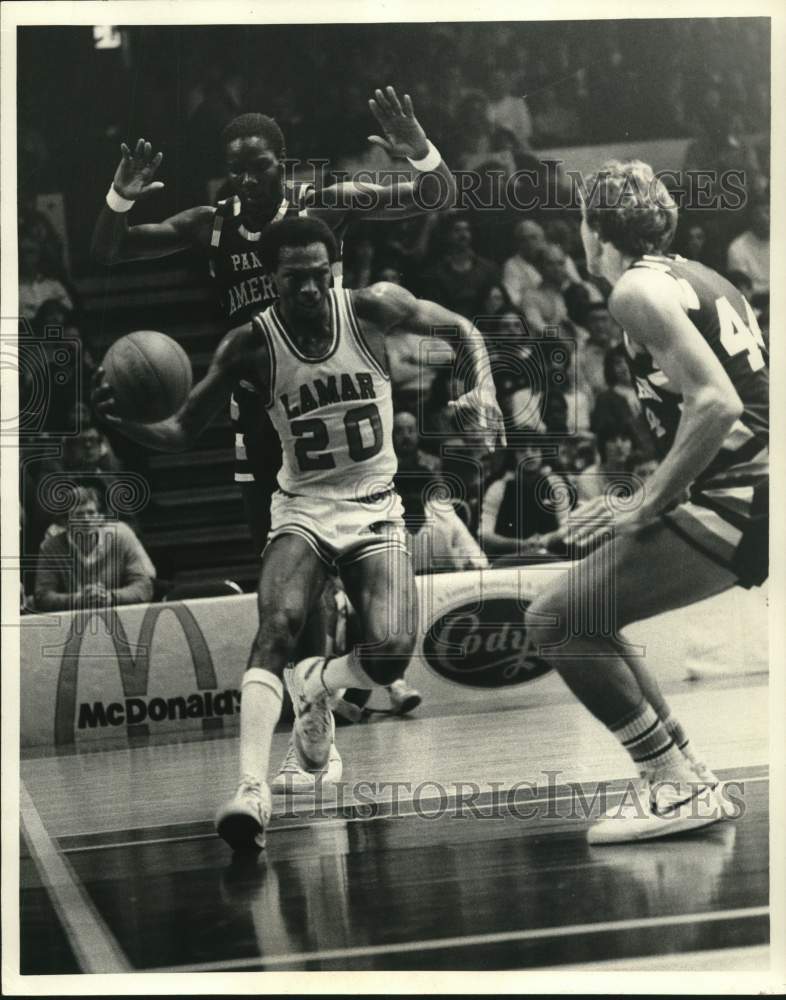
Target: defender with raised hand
(317, 360)
(229, 235)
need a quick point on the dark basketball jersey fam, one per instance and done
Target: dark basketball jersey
(726, 321)
(244, 285)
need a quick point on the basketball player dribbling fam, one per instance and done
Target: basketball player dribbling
(230, 234)
(317, 358)
(698, 526)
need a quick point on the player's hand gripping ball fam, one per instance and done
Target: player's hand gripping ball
(144, 377)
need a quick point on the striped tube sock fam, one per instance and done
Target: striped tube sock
(649, 744)
(680, 737)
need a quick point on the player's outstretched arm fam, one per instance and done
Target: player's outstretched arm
(207, 398)
(114, 241)
(390, 306)
(433, 189)
(647, 305)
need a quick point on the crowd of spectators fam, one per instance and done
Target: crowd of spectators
(491, 96)
(87, 555)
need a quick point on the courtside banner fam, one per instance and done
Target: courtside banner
(134, 670)
(177, 667)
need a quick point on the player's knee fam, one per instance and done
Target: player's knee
(544, 622)
(281, 624)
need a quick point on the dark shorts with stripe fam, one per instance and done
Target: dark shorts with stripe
(739, 543)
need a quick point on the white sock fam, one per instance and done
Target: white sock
(262, 694)
(339, 672)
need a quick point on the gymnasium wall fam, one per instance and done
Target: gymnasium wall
(177, 667)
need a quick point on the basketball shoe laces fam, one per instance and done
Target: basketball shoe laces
(315, 719)
(291, 763)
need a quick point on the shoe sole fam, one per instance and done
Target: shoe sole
(607, 834)
(241, 831)
(300, 787)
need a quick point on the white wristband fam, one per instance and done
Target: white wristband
(117, 202)
(430, 161)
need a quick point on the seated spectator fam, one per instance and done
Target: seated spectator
(437, 419)
(544, 306)
(568, 402)
(54, 328)
(508, 110)
(615, 447)
(460, 279)
(89, 452)
(520, 372)
(465, 470)
(575, 454)
(92, 562)
(481, 142)
(440, 542)
(496, 302)
(523, 504)
(750, 251)
(643, 465)
(87, 459)
(36, 286)
(602, 334)
(387, 272)
(408, 242)
(563, 234)
(555, 121)
(695, 247)
(34, 223)
(413, 366)
(519, 274)
(618, 404)
(412, 460)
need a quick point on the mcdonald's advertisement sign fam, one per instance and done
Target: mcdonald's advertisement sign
(134, 671)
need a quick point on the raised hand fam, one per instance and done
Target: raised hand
(482, 408)
(102, 398)
(135, 172)
(403, 134)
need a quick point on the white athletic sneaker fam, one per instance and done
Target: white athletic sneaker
(292, 779)
(705, 775)
(658, 810)
(242, 821)
(314, 728)
(403, 698)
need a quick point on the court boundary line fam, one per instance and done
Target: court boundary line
(471, 940)
(310, 821)
(715, 956)
(95, 948)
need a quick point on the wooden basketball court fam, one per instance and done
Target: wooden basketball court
(456, 841)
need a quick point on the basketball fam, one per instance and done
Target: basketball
(150, 374)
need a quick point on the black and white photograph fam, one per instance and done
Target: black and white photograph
(385, 454)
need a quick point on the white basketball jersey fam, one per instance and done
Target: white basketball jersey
(334, 414)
